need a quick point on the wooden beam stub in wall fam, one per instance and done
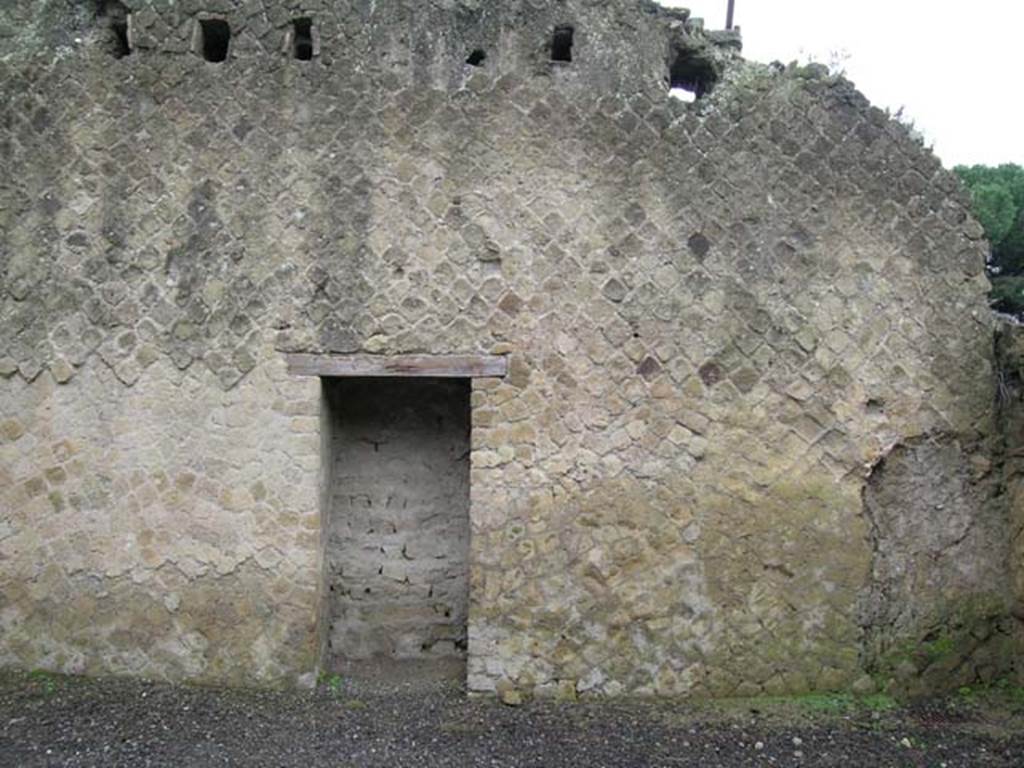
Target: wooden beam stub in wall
(436, 366)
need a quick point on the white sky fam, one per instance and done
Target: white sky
(954, 68)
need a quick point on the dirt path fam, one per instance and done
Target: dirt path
(52, 721)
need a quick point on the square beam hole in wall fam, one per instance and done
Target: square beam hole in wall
(396, 522)
(302, 39)
(214, 39)
(120, 46)
(561, 43)
(115, 14)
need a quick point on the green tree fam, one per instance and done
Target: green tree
(997, 201)
(994, 207)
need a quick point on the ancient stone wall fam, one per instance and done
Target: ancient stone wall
(741, 333)
(152, 530)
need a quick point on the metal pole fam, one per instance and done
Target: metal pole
(729, 14)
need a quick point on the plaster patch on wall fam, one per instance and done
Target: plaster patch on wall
(936, 607)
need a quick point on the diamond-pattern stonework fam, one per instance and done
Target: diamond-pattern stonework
(721, 319)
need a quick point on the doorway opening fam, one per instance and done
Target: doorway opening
(396, 520)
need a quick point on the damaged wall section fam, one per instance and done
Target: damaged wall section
(935, 611)
(1010, 402)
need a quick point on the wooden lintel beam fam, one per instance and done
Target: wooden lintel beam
(436, 366)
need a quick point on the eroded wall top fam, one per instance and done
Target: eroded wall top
(628, 45)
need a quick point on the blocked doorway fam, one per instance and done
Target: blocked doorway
(396, 519)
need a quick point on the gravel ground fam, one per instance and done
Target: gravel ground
(54, 721)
